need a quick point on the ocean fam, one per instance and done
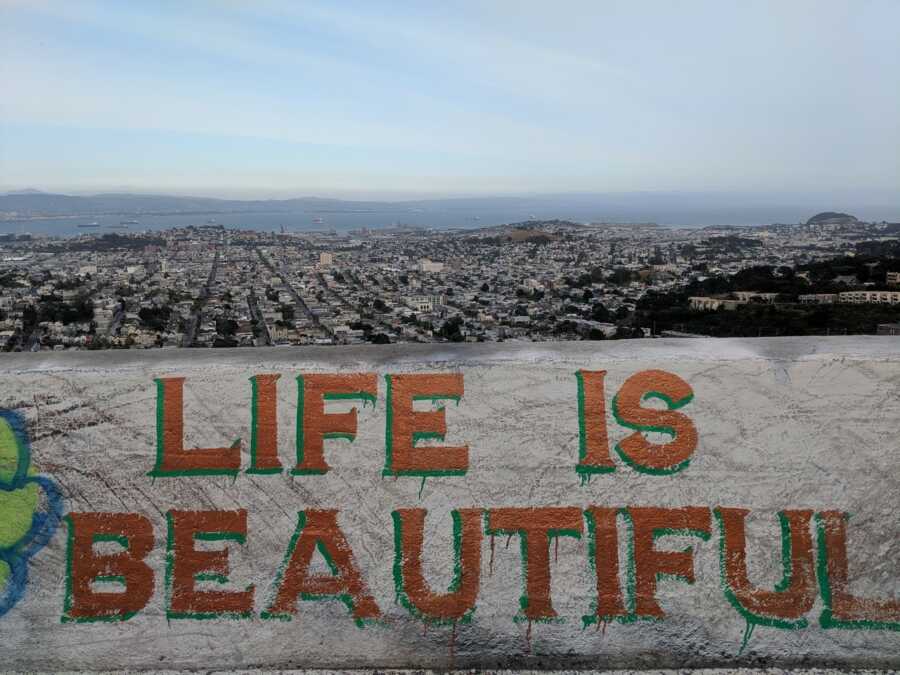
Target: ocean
(303, 221)
(448, 214)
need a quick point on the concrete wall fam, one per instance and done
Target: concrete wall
(768, 471)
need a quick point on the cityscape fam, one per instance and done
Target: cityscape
(207, 285)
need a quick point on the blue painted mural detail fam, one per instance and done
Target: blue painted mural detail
(27, 522)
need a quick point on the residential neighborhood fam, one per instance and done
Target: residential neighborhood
(211, 286)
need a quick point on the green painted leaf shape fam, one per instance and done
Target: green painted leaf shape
(10, 452)
(4, 573)
(17, 508)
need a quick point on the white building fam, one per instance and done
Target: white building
(419, 303)
(705, 303)
(746, 296)
(817, 298)
(426, 265)
(873, 297)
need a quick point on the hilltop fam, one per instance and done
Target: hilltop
(530, 231)
(832, 218)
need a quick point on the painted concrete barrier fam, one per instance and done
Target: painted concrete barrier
(635, 504)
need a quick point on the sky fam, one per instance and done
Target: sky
(366, 98)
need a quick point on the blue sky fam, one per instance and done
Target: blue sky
(405, 98)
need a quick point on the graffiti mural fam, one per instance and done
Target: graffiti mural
(25, 526)
(575, 514)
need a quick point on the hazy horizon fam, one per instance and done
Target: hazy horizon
(889, 198)
(52, 213)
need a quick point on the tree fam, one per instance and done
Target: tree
(155, 318)
(53, 309)
(621, 276)
(29, 316)
(226, 327)
(599, 312)
(451, 330)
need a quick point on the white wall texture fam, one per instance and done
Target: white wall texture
(782, 424)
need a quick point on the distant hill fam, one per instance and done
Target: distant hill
(26, 191)
(529, 234)
(529, 231)
(531, 226)
(41, 203)
(832, 218)
(665, 208)
(32, 203)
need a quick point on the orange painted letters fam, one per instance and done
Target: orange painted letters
(842, 608)
(536, 527)
(785, 606)
(171, 457)
(134, 534)
(593, 438)
(405, 426)
(187, 565)
(318, 529)
(604, 545)
(648, 523)
(314, 425)
(264, 425)
(409, 535)
(636, 450)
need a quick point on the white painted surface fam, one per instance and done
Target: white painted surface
(783, 423)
